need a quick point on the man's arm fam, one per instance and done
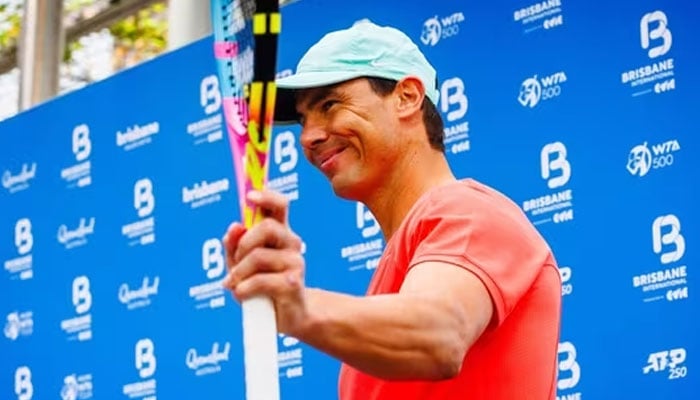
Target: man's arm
(423, 332)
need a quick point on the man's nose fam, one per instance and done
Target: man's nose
(312, 134)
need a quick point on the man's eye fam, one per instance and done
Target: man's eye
(327, 105)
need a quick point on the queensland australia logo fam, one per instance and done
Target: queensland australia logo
(441, 27)
(140, 296)
(79, 174)
(669, 279)
(18, 324)
(16, 181)
(644, 158)
(208, 128)
(204, 192)
(557, 205)
(535, 89)
(657, 75)
(75, 236)
(77, 387)
(541, 15)
(137, 135)
(211, 363)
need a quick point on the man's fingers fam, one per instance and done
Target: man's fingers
(268, 233)
(262, 260)
(274, 204)
(231, 238)
(269, 284)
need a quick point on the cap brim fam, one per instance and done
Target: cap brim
(285, 102)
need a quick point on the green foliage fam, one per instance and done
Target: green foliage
(10, 22)
(145, 32)
(141, 36)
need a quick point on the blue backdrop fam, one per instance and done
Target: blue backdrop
(114, 198)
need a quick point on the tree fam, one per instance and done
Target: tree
(136, 38)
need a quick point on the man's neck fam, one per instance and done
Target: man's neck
(405, 184)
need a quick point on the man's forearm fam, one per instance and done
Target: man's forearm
(397, 336)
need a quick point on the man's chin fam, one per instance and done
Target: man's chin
(343, 188)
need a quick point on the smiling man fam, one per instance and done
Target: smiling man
(465, 302)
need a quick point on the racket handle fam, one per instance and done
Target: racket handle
(260, 348)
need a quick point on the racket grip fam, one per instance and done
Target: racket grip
(260, 348)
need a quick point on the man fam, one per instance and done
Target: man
(465, 302)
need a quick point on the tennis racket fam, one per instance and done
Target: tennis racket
(245, 49)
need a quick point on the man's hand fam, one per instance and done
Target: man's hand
(266, 260)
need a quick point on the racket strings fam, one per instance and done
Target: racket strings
(237, 34)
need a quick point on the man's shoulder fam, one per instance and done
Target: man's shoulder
(468, 196)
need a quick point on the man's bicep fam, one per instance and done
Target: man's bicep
(456, 287)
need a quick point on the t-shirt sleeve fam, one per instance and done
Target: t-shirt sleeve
(485, 234)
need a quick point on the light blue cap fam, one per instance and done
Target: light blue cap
(363, 50)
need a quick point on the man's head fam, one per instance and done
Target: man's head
(363, 50)
(367, 92)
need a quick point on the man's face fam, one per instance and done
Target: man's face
(350, 133)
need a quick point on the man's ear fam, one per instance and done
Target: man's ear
(409, 93)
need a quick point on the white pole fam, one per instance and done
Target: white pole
(188, 21)
(40, 51)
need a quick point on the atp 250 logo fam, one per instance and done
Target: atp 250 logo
(669, 361)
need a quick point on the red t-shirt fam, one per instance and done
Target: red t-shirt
(475, 227)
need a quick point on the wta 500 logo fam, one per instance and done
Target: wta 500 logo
(437, 28)
(656, 40)
(557, 205)
(534, 89)
(77, 387)
(644, 158)
(78, 175)
(668, 243)
(21, 267)
(18, 324)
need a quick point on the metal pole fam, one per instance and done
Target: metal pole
(40, 50)
(188, 21)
